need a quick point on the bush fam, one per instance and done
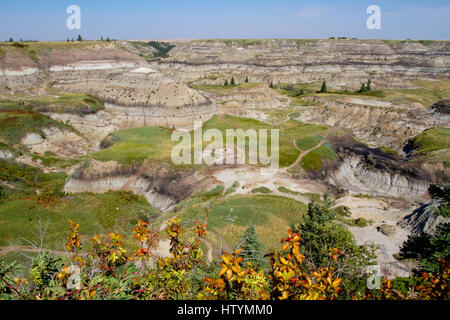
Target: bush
(261, 190)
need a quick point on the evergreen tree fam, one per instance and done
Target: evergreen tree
(226, 83)
(369, 82)
(323, 89)
(363, 88)
(271, 85)
(79, 38)
(246, 79)
(251, 246)
(11, 40)
(427, 248)
(320, 231)
(233, 83)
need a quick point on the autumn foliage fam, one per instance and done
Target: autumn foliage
(108, 271)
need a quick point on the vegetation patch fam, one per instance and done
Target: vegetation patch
(59, 102)
(261, 190)
(162, 48)
(313, 160)
(307, 143)
(136, 145)
(287, 190)
(431, 140)
(15, 125)
(269, 213)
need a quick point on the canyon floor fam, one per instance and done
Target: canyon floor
(85, 134)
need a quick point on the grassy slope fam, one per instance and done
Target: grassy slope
(21, 207)
(135, 145)
(272, 216)
(15, 124)
(97, 213)
(432, 140)
(313, 160)
(65, 102)
(229, 218)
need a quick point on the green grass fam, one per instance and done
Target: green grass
(358, 222)
(261, 190)
(14, 125)
(431, 140)
(97, 213)
(33, 57)
(287, 190)
(136, 145)
(228, 218)
(54, 161)
(59, 102)
(24, 180)
(307, 143)
(271, 215)
(233, 188)
(21, 206)
(364, 196)
(313, 160)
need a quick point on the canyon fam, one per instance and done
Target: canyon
(375, 169)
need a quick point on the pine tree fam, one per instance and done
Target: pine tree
(233, 83)
(271, 85)
(323, 89)
(251, 246)
(369, 82)
(79, 38)
(246, 79)
(363, 88)
(226, 83)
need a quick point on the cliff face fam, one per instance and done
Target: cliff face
(376, 122)
(423, 219)
(136, 93)
(353, 176)
(343, 63)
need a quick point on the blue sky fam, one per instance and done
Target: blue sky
(175, 19)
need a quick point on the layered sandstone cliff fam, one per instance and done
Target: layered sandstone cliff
(343, 63)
